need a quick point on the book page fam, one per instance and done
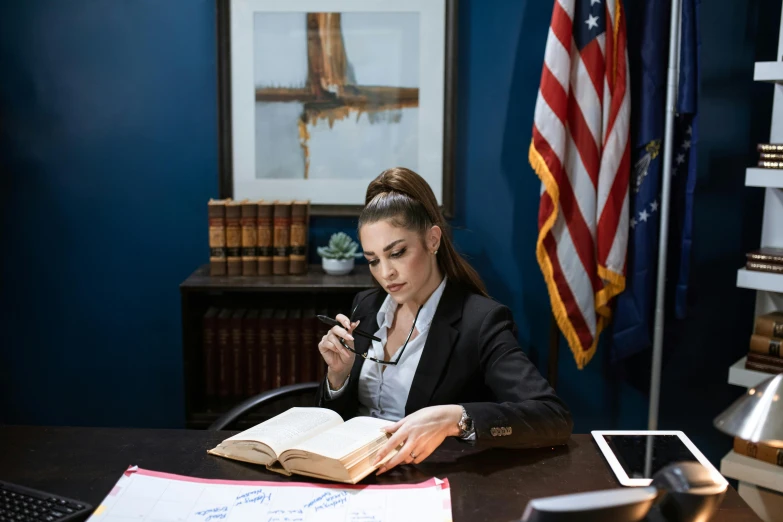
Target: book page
(346, 438)
(289, 428)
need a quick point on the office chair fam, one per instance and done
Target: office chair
(262, 399)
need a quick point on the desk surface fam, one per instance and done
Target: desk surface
(84, 463)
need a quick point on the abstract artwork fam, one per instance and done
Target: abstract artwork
(316, 103)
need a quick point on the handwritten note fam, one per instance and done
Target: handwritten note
(148, 496)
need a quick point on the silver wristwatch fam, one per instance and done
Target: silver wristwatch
(465, 424)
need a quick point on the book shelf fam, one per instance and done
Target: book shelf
(200, 291)
(760, 483)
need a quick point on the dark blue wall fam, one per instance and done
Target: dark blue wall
(108, 148)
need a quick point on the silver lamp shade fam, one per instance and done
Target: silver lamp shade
(757, 416)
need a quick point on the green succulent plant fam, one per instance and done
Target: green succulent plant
(341, 246)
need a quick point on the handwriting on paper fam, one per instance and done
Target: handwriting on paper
(258, 496)
(362, 516)
(328, 500)
(218, 513)
(285, 515)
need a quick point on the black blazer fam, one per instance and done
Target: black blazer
(472, 358)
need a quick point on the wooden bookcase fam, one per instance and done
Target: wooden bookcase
(200, 291)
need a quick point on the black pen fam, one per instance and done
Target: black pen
(332, 322)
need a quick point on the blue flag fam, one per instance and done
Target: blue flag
(648, 56)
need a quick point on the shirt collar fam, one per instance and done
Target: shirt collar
(385, 315)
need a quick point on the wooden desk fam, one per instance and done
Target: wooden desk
(84, 463)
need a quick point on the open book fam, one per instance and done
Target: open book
(311, 441)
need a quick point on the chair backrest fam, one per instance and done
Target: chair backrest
(262, 399)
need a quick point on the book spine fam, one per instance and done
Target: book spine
(763, 367)
(770, 147)
(771, 156)
(265, 350)
(300, 217)
(209, 349)
(279, 345)
(765, 345)
(309, 347)
(250, 338)
(764, 258)
(233, 239)
(294, 347)
(265, 238)
(769, 326)
(282, 240)
(237, 359)
(758, 451)
(764, 267)
(249, 226)
(216, 213)
(223, 338)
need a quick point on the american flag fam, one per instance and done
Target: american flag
(580, 150)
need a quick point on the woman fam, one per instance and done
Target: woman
(448, 363)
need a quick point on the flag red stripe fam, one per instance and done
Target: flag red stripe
(594, 63)
(610, 218)
(580, 233)
(583, 139)
(554, 94)
(562, 26)
(574, 313)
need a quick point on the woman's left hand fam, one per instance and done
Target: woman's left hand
(421, 432)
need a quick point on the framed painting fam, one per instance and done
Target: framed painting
(318, 97)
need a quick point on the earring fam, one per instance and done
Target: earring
(435, 253)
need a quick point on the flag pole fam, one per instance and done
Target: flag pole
(663, 236)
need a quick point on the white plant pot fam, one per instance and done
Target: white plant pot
(337, 266)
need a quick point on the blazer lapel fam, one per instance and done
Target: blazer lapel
(437, 349)
(369, 324)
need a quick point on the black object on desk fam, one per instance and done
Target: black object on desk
(21, 504)
(680, 492)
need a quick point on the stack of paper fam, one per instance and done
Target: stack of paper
(149, 496)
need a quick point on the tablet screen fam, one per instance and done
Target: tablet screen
(631, 451)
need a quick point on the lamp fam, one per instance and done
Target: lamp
(757, 416)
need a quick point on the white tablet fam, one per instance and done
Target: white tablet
(635, 456)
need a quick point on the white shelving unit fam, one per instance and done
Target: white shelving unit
(760, 483)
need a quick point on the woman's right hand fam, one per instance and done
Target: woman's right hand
(338, 359)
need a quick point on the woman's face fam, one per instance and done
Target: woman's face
(399, 259)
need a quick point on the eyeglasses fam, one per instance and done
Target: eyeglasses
(399, 355)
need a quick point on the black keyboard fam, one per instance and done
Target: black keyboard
(21, 504)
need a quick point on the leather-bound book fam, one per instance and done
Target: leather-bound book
(209, 357)
(309, 345)
(770, 147)
(249, 226)
(233, 238)
(265, 237)
(759, 450)
(279, 347)
(764, 363)
(216, 214)
(757, 266)
(281, 242)
(224, 356)
(265, 350)
(250, 338)
(767, 255)
(769, 325)
(765, 345)
(294, 350)
(237, 355)
(771, 156)
(300, 219)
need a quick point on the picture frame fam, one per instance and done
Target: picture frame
(318, 97)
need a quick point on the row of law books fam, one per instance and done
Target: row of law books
(766, 259)
(770, 155)
(766, 344)
(249, 351)
(249, 238)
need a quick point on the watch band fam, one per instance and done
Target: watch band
(465, 425)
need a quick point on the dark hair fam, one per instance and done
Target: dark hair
(406, 199)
